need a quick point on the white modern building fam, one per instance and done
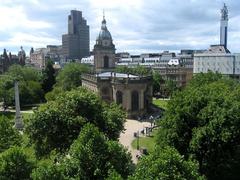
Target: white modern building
(217, 59)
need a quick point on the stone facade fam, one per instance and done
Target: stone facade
(133, 93)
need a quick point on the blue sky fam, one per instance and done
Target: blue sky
(137, 26)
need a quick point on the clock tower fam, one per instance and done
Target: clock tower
(104, 50)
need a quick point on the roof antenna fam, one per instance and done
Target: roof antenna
(103, 14)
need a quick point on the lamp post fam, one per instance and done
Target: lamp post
(138, 140)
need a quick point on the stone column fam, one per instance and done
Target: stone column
(18, 120)
(141, 99)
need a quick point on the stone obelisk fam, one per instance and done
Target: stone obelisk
(18, 120)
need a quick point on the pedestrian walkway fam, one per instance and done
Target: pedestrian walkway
(127, 136)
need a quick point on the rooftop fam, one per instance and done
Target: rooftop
(113, 74)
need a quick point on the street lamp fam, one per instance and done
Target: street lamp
(138, 140)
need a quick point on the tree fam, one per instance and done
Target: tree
(24, 73)
(9, 136)
(170, 87)
(57, 123)
(203, 122)
(6, 90)
(157, 81)
(137, 70)
(92, 156)
(30, 90)
(48, 171)
(166, 163)
(15, 164)
(70, 76)
(48, 77)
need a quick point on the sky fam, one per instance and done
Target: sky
(137, 26)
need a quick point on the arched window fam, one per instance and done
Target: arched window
(106, 62)
(119, 97)
(135, 101)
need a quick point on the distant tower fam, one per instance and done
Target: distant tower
(75, 44)
(21, 56)
(224, 26)
(104, 50)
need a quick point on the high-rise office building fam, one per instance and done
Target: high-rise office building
(75, 44)
(224, 26)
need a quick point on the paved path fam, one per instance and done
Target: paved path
(127, 137)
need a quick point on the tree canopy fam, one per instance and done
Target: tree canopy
(30, 89)
(57, 123)
(203, 122)
(70, 76)
(92, 155)
(48, 77)
(137, 70)
(15, 164)
(166, 163)
(9, 136)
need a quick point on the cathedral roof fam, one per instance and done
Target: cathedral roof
(118, 75)
(104, 33)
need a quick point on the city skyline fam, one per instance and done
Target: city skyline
(137, 26)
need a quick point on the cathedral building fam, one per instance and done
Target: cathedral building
(133, 93)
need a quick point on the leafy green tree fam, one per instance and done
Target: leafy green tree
(70, 76)
(48, 171)
(48, 77)
(24, 73)
(203, 122)
(57, 123)
(157, 81)
(170, 87)
(115, 118)
(113, 175)
(92, 156)
(30, 90)
(6, 90)
(166, 163)
(54, 94)
(137, 70)
(9, 136)
(15, 164)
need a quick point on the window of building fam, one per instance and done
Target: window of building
(106, 62)
(135, 101)
(119, 97)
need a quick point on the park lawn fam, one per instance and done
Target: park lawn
(161, 103)
(11, 116)
(146, 142)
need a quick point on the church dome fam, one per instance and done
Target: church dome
(21, 52)
(104, 34)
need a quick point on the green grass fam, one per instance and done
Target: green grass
(11, 116)
(146, 142)
(161, 103)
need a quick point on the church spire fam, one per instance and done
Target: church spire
(104, 23)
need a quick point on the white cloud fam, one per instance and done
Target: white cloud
(135, 25)
(15, 19)
(26, 39)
